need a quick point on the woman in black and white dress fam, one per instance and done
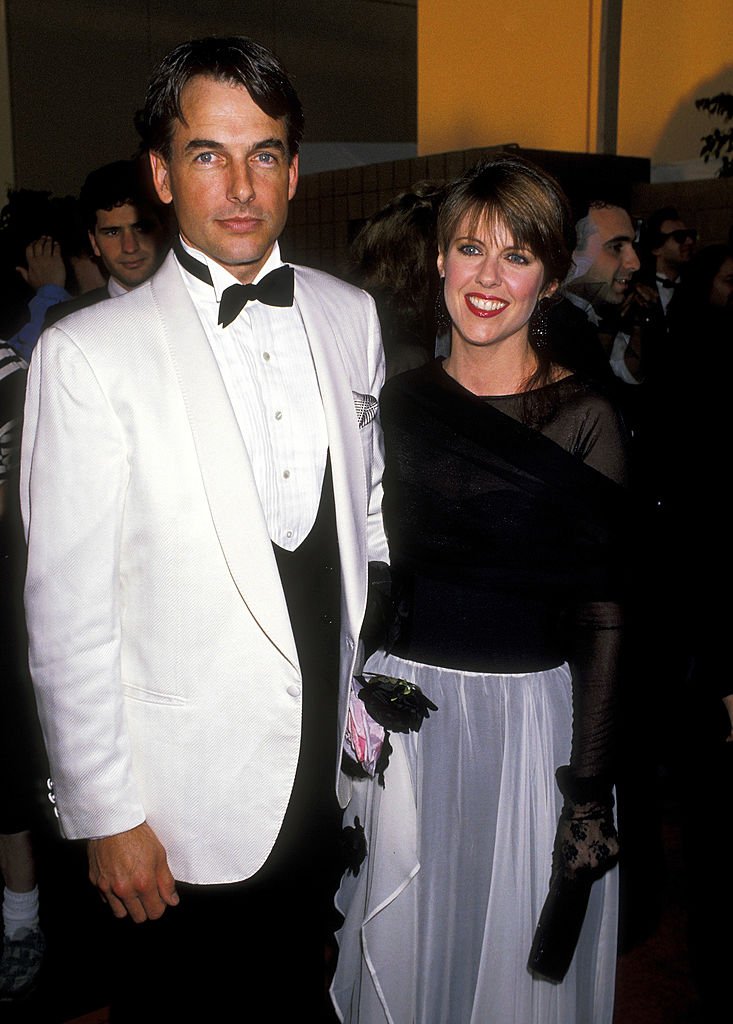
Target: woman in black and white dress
(504, 498)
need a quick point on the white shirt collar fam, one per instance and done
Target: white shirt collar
(223, 278)
(114, 288)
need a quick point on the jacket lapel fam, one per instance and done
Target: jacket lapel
(225, 466)
(342, 425)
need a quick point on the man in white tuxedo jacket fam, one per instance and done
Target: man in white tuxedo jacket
(201, 500)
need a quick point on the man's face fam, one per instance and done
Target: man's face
(229, 176)
(609, 255)
(674, 253)
(129, 243)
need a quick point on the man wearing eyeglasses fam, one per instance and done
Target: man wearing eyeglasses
(670, 244)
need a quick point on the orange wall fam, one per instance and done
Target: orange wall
(492, 72)
(672, 53)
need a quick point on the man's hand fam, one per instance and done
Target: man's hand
(45, 264)
(132, 874)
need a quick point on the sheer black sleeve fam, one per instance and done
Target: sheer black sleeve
(595, 622)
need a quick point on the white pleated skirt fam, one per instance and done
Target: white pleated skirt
(439, 921)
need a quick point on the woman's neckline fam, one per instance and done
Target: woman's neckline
(511, 395)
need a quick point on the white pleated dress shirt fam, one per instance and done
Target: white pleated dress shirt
(266, 362)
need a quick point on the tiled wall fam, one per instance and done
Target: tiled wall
(330, 207)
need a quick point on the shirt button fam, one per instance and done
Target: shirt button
(293, 690)
(288, 533)
(286, 474)
(278, 415)
(266, 356)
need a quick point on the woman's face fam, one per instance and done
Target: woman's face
(721, 290)
(491, 285)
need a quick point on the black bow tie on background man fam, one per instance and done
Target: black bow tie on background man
(666, 283)
(275, 288)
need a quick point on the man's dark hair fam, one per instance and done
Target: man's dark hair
(583, 227)
(599, 196)
(651, 236)
(109, 186)
(232, 59)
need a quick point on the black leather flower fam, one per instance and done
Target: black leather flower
(353, 846)
(394, 703)
(352, 768)
(383, 760)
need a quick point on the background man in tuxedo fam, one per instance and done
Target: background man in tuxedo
(604, 259)
(670, 245)
(124, 229)
(201, 498)
(599, 284)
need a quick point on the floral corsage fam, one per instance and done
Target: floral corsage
(378, 705)
(396, 704)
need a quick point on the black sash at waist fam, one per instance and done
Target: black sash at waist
(477, 629)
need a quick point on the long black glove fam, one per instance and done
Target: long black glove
(378, 615)
(586, 846)
(586, 841)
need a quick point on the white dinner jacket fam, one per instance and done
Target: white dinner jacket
(161, 650)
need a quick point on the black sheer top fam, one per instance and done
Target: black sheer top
(507, 542)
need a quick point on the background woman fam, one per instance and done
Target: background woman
(502, 498)
(393, 258)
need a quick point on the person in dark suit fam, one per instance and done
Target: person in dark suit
(126, 232)
(666, 247)
(394, 258)
(201, 490)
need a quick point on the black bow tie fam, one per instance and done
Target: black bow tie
(666, 283)
(275, 288)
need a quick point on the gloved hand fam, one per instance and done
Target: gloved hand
(586, 840)
(586, 846)
(378, 615)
